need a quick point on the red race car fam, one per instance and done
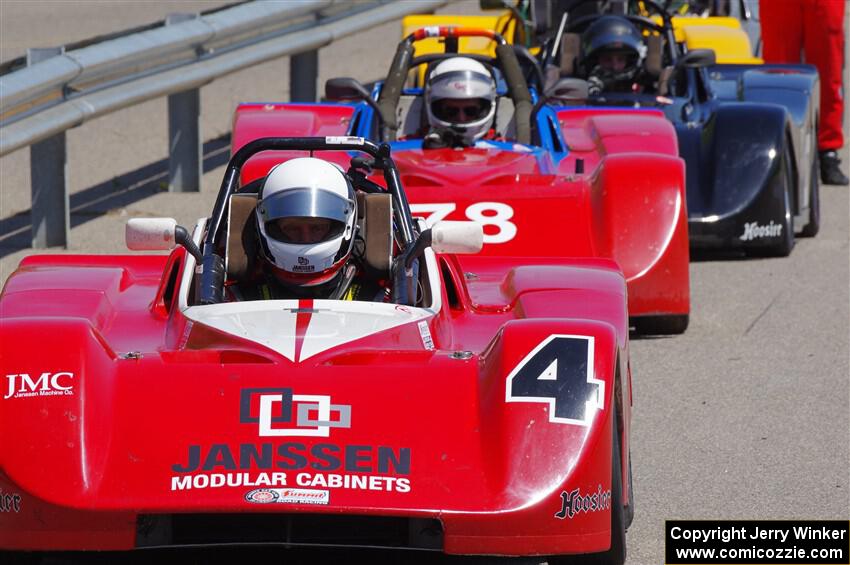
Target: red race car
(483, 413)
(548, 182)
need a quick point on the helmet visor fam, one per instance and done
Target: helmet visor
(305, 215)
(460, 110)
(302, 231)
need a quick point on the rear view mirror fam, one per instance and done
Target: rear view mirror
(569, 90)
(345, 88)
(457, 237)
(150, 234)
(158, 234)
(697, 58)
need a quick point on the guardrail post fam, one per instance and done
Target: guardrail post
(184, 133)
(51, 220)
(303, 74)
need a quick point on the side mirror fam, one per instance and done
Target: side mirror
(345, 88)
(569, 89)
(493, 4)
(158, 234)
(150, 234)
(697, 58)
(457, 237)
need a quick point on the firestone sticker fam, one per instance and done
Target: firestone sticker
(288, 496)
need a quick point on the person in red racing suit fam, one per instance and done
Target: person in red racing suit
(815, 27)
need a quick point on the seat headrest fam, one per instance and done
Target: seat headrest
(376, 228)
(570, 47)
(241, 236)
(653, 55)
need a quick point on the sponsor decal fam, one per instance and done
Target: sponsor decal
(754, 231)
(262, 496)
(288, 496)
(277, 412)
(574, 502)
(343, 139)
(10, 502)
(559, 372)
(273, 408)
(303, 261)
(425, 334)
(22, 385)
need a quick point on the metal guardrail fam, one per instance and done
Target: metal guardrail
(58, 91)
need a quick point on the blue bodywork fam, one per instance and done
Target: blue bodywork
(748, 135)
(549, 140)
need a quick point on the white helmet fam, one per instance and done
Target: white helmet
(306, 216)
(461, 79)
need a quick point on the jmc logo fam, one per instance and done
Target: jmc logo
(48, 384)
(272, 409)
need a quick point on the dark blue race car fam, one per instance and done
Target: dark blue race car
(748, 133)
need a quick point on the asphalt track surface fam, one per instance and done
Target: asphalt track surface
(747, 415)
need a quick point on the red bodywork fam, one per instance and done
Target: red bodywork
(109, 439)
(628, 205)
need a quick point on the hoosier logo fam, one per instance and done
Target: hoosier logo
(754, 231)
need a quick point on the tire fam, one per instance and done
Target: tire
(630, 509)
(813, 227)
(784, 247)
(673, 324)
(616, 554)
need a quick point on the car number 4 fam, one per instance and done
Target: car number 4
(559, 372)
(494, 216)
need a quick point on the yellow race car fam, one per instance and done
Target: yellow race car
(523, 23)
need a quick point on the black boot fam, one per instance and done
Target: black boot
(830, 169)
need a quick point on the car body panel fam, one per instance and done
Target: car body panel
(629, 204)
(760, 116)
(158, 421)
(732, 206)
(109, 434)
(723, 34)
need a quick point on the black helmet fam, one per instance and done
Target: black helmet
(614, 34)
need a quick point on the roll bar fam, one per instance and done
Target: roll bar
(517, 87)
(210, 291)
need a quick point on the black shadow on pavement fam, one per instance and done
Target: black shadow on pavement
(119, 192)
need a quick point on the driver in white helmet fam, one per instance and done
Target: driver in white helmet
(307, 220)
(460, 102)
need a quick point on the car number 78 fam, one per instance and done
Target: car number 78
(495, 214)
